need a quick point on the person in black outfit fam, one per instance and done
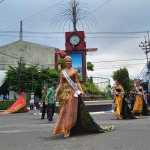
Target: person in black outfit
(43, 99)
(132, 97)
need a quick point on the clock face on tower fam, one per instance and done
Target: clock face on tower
(74, 39)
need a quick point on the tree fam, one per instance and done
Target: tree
(22, 79)
(122, 76)
(61, 61)
(90, 66)
(31, 78)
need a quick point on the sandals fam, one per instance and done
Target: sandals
(66, 134)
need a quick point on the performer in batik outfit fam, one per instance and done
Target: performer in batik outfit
(140, 107)
(118, 92)
(73, 115)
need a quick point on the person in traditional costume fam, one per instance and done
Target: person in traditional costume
(121, 109)
(118, 92)
(73, 115)
(140, 107)
(132, 97)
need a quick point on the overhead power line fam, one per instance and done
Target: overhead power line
(96, 9)
(107, 18)
(98, 32)
(32, 16)
(119, 60)
(43, 11)
(9, 55)
(63, 37)
(18, 58)
(111, 67)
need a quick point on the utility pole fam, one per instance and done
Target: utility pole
(21, 32)
(19, 75)
(146, 47)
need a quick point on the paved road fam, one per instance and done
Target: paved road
(25, 131)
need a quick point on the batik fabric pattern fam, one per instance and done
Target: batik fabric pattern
(140, 108)
(118, 103)
(74, 115)
(85, 123)
(67, 108)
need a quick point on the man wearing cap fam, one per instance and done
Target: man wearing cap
(50, 102)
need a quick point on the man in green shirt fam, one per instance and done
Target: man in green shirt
(51, 102)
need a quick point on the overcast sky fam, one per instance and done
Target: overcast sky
(115, 16)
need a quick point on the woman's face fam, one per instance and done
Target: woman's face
(45, 86)
(116, 82)
(137, 84)
(68, 62)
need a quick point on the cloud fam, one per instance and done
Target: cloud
(115, 16)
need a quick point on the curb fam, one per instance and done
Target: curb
(92, 113)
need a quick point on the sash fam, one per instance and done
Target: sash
(73, 85)
(138, 92)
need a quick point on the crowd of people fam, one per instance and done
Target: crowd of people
(139, 106)
(73, 115)
(34, 102)
(4, 97)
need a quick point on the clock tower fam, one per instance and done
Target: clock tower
(76, 48)
(75, 40)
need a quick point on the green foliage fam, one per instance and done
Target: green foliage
(61, 61)
(108, 91)
(30, 78)
(91, 88)
(90, 79)
(90, 66)
(5, 104)
(122, 76)
(94, 92)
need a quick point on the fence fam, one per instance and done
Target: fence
(102, 83)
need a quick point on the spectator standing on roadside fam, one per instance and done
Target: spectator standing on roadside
(31, 103)
(43, 101)
(51, 102)
(36, 101)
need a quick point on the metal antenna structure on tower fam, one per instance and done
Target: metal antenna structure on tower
(73, 12)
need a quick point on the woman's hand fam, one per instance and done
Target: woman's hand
(82, 93)
(46, 103)
(116, 93)
(55, 96)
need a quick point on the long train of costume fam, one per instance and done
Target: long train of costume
(18, 107)
(73, 114)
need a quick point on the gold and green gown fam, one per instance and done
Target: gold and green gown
(119, 102)
(139, 107)
(122, 110)
(73, 114)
